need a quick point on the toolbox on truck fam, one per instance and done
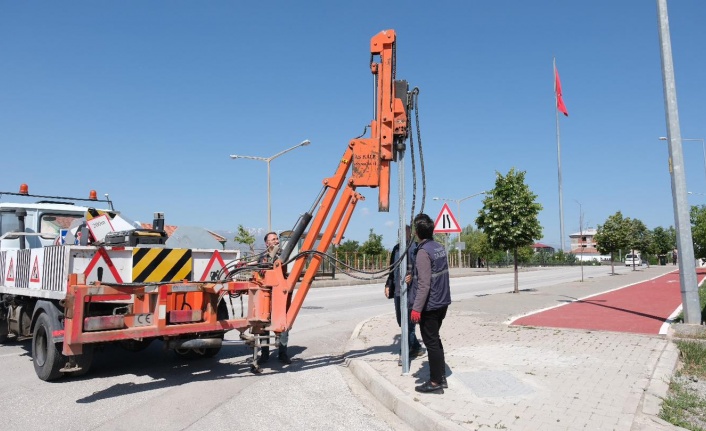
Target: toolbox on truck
(131, 238)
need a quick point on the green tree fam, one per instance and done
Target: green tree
(373, 246)
(349, 246)
(560, 257)
(476, 244)
(347, 250)
(612, 236)
(509, 215)
(639, 238)
(525, 254)
(243, 236)
(663, 241)
(698, 230)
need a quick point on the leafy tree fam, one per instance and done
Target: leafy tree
(639, 238)
(698, 230)
(509, 215)
(612, 236)
(476, 243)
(525, 254)
(245, 237)
(663, 242)
(348, 246)
(541, 258)
(560, 257)
(373, 246)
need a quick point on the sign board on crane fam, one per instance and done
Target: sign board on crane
(446, 222)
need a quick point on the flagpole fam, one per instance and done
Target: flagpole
(558, 157)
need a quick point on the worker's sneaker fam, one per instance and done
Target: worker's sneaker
(417, 353)
(444, 384)
(284, 358)
(430, 387)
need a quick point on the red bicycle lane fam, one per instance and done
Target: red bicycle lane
(640, 308)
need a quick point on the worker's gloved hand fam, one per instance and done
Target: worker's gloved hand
(416, 316)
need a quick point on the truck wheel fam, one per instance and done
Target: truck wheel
(47, 359)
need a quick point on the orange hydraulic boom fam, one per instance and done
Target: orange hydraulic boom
(370, 160)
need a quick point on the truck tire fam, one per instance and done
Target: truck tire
(47, 359)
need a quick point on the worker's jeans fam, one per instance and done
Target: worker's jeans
(429, 326)
(414, 345)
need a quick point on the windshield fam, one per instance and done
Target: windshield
(53, 223)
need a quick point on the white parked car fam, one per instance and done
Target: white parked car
(633, 259)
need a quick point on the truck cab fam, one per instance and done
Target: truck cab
(41, 222)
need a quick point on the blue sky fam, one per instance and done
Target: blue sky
(146, 100)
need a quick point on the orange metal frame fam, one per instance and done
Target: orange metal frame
(163, 304)
(370, 160)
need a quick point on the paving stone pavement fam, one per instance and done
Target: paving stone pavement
(523, 378)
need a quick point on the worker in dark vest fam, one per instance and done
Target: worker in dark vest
(432, 296)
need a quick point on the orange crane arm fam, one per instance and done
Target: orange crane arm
(368, 160)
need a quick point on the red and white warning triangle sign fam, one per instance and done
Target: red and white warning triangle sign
(101, 268)
(214, 266)
(446, 222)
(11, 271)
(34, 276)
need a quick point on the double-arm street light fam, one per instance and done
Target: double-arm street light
(703, 146)
(458, 214)
(268, 160)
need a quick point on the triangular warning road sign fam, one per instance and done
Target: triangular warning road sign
(11, 271)
(34, 276)
(210, 274)
(446, 222)
(101, 268)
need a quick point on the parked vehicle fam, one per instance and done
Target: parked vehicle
(633, 259)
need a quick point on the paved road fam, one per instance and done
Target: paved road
(154, 390)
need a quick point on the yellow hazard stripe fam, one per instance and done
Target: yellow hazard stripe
(161, 264)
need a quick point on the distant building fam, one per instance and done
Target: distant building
(583, 245)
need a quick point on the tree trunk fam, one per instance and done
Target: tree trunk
(517, 281)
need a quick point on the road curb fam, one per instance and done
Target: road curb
(413, 413)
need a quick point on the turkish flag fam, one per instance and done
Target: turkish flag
(557, 88)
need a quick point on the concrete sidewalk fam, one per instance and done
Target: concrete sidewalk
(523, 378)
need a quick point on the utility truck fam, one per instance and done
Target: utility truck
(69, 282)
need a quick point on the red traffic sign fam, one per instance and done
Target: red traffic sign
(446, 222)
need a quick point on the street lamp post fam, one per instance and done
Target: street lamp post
(703, 146)
(458, 215)
(268, 160)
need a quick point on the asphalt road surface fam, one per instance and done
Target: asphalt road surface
(153, 389)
